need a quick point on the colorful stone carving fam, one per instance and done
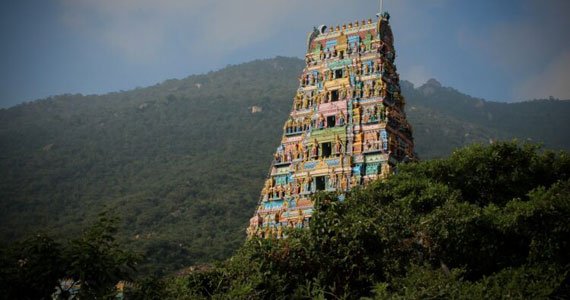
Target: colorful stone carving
(347, 126)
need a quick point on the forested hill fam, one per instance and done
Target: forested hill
(444, 119)
(182, 162)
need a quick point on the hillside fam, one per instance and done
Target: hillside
(461, 119)
(182, 162)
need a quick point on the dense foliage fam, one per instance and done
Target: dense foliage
(88, 266)
(182, 162)
(488, 222)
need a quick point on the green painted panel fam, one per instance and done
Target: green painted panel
(340, 63)
(372, 169)
(328, 132)
(281, 179)
(373, 158)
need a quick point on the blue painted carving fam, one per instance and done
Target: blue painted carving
(281, 179)
(384, 137)
(273, 204)
(333, 162)
(340, 64)
(372, 168)
(330, 44)
(310, 165)
(353, 39)
(357, 169)
(328, 184)
(291, 203)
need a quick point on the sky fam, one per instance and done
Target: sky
(507, 50)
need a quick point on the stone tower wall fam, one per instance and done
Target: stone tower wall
(347, 125)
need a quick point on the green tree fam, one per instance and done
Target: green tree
(147, 288)
(94, 262)
(488, 222)
(31, 269)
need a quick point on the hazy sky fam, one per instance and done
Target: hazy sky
(501, 50)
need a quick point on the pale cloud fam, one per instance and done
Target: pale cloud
(529, 48)
(138, 29)
(519, 45)
(143, 30)
(233, 25)
(553, 81)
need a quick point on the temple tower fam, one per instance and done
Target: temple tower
(347, 126)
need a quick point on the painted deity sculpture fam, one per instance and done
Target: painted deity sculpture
(347, 126)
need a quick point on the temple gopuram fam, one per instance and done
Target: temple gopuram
(347, 126)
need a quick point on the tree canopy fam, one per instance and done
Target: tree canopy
(487, 222)
(88, 266)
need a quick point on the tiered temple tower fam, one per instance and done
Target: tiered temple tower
(347, 126)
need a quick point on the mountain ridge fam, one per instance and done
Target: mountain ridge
(182, 162)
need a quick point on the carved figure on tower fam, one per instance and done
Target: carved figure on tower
(349, 99)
